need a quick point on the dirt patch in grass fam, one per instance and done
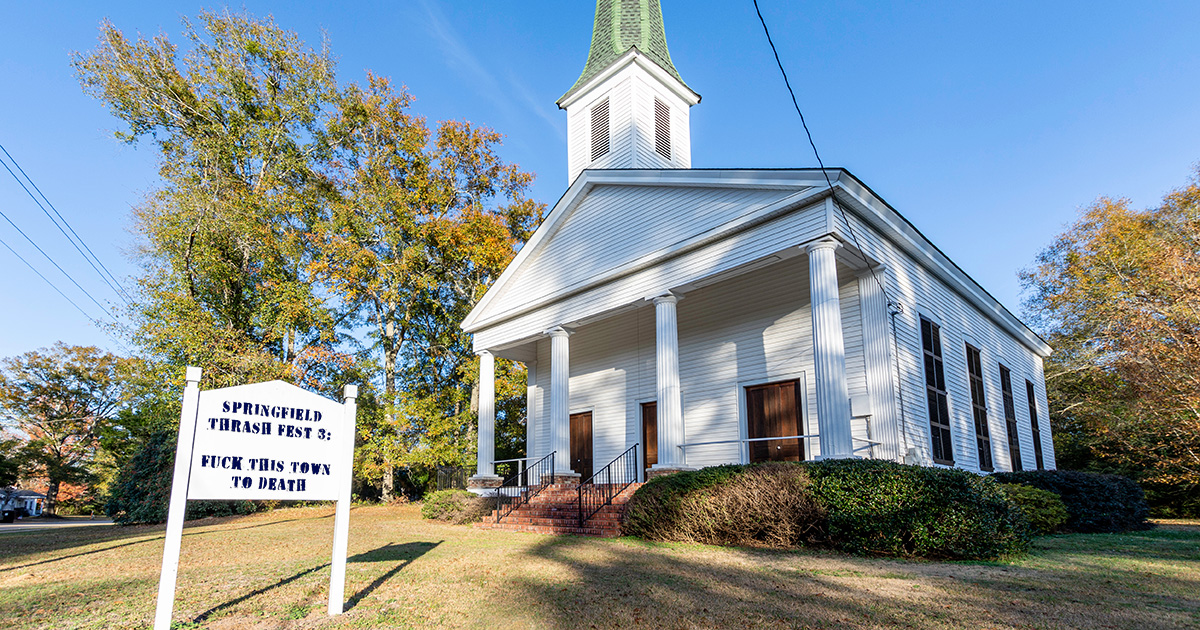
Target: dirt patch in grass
(271, 571)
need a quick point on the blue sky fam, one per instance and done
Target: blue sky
(988, 125)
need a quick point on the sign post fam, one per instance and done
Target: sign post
(267, 441)
(341, 520)
(178, 505)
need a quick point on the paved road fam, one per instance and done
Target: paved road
(36, 524)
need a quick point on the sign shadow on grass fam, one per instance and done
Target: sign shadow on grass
(403, 553)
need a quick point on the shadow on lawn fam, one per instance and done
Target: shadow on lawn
(109, 537)
(404, 554)
(626, 583)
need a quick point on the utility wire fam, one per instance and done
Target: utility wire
(56, 265)
(91, 319)
(114, 284)
(34, 269)
(821, 163)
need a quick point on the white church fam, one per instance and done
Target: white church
(713, 316)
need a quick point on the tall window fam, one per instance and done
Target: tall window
(983, 440)
(1033, 422)
(600, 131)
(662, 128)
(1010, 418)
(935, 389)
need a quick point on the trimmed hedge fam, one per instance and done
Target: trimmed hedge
(1042, 508)
(860, 506)
(1094, 502)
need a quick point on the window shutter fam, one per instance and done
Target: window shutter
(662, 129)
(600, 130)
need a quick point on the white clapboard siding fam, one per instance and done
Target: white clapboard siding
(923, 293)
(616, 224)
(788, 230)
(631, 91)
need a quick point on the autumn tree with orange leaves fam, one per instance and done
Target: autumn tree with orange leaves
(60, 399)
(1119, 293)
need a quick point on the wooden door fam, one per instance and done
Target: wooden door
(774, 410)
(649, 434)
(581, 444)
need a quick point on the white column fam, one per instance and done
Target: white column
(670, 406)
(531, 419)
(560, 399)
(877, 355)
(487, 416)
(829, 352)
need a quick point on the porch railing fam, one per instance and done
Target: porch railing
(807, 449)
(523, 486)
(605, 485)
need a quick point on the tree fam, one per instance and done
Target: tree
(224, 239)
(1119, 293)
(10, 466)
(61, 398)
(423, 220)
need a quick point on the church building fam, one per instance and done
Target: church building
(698, 317)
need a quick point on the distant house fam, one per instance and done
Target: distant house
(711, 316)
(15, 503)
(31, 501)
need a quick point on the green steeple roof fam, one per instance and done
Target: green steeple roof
(621, 25)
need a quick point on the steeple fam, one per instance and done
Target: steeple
(629, 108)
(621, 25)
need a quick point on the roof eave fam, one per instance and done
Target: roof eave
(633, 55)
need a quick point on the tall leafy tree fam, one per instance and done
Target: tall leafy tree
(424, 219)
(224, 250)
(61, 399)
(1119, 292)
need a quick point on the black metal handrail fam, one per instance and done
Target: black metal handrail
(523, 486)
(605, 485)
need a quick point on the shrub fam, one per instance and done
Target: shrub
(766, 505)
(1042, 508)
(141, 492)
(862, 506)
(456, 506)
(880, 507)
(656, 509)
(1094, 502)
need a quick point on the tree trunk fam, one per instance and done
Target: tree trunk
(390, 350)
(51, 506)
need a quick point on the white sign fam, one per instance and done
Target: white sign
(268, 441)
(262, 441)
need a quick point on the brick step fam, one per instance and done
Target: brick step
(573, 521)
(553, 529)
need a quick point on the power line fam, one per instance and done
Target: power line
(56, 265)
(820, 162)
(114, 284)
(91, 319)
(32, 268)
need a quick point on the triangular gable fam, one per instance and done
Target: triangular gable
(611, 218)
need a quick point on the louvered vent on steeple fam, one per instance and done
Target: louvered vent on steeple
(662, 128)
(600, 130)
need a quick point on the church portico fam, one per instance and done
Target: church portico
(699, 347)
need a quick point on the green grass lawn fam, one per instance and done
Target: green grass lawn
(271, 571)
